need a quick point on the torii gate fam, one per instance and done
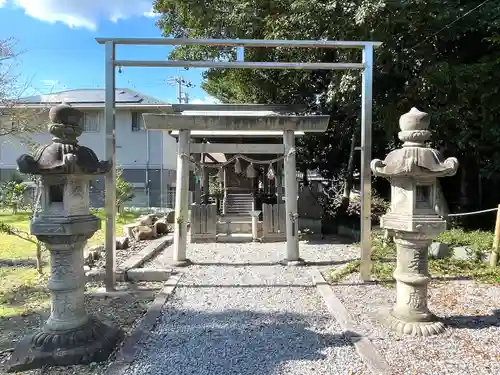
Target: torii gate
(185, 124)
(366, 67)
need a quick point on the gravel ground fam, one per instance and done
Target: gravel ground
(469, 346)
(123, 255)
(229, 316)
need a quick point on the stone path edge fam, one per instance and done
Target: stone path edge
(364, 347)
(147, 253)
(127, 353)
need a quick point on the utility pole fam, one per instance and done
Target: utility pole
(180, 82)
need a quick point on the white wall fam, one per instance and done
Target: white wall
(131, 146)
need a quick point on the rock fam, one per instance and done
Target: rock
(170, 216)
(466, 253)
(143, 232)
(145, 220)
(128, 230)
(439, 250)
(92, 255)
(86, 268)
(98, 248)
(122, 243)
(462, 253)
(160, 227)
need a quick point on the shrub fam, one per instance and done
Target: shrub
(124, 191)
(12, 195)
(332, 200)
(379, 207)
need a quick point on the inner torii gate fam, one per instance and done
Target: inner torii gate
(366, 67)
(185, 124)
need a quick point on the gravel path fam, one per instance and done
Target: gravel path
(229, 316)
(469, 346)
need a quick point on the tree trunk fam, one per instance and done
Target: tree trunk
(348, 178)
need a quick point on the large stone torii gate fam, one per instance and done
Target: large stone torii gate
(184, 124)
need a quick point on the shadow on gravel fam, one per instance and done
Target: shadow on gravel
(329, 240)
(270, 264)
(236, 342)
(473, 321)
(196, 286)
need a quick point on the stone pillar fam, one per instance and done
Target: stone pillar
(181, 199)
(291, 227)
(412, 221)
(206, 185)
(255, 224)
(410, 314)
(70, 336)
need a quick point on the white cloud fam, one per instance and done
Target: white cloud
(205, 100)
(82, 13)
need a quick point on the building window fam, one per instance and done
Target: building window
(91, 121)
(137, 124)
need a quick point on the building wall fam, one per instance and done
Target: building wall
(147, 158)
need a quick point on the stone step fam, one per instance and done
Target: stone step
(234, 238)
(237, 227)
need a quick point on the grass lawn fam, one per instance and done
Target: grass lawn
(384, 259)
(22, 289)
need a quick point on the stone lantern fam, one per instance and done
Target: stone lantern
(412, 220)
(64, 224)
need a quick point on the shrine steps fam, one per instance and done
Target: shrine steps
(234, 238)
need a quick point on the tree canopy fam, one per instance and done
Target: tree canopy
(442, 56)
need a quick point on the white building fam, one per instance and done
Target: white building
(148, 158)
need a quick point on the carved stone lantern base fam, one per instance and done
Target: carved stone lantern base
(431, 326)
(92, 342)
(410, 315)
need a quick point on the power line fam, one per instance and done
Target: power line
(451, 23)
(180, 82)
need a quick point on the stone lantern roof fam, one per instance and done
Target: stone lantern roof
(414, 158)
(64, 155)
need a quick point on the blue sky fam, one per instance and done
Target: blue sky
(61, 53)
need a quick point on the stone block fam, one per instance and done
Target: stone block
(439, 250)
(128, 230)
(161, 227)
(92, 255)
(308, 205)
(122, 243)
(310, 226)
(145, 220)
(143, 232)
(148, 274)
(466, 253)
(170, 216)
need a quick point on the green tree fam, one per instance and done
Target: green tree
(437, 55)
(124, 191)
